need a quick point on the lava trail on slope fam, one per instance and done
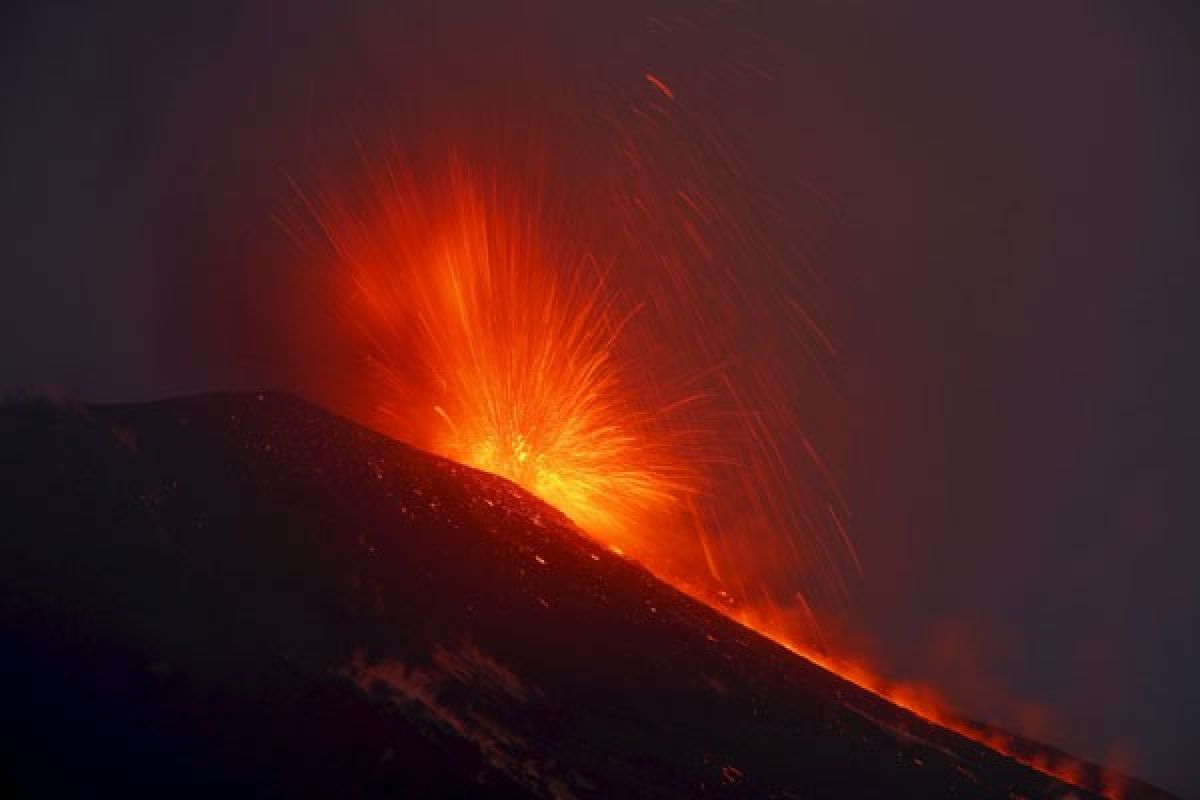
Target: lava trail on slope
(245, 593)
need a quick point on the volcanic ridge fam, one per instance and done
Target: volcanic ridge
(246, 594)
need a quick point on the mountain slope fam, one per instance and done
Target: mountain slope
(243, 592)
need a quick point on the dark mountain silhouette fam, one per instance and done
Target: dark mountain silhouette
(245, 594)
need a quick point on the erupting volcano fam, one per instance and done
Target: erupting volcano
(432, 613)
(493, 332)
(581, 401)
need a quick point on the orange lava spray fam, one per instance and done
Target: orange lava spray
(493, 345)
(501, 327)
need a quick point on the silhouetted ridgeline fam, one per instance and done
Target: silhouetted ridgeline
(243, 593)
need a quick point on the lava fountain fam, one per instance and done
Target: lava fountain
(505, 325)
(494, 346)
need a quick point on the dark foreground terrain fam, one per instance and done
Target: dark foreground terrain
(244, 594)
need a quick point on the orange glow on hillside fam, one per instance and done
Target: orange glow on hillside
(926, 702)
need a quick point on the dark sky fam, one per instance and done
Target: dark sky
(1009, 259)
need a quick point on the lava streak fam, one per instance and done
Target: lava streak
(494, 345)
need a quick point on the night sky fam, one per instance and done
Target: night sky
(1007, 236)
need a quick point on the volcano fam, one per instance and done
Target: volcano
(246, 594)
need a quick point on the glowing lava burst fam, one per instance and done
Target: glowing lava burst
(499, 349)
(480, 302)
